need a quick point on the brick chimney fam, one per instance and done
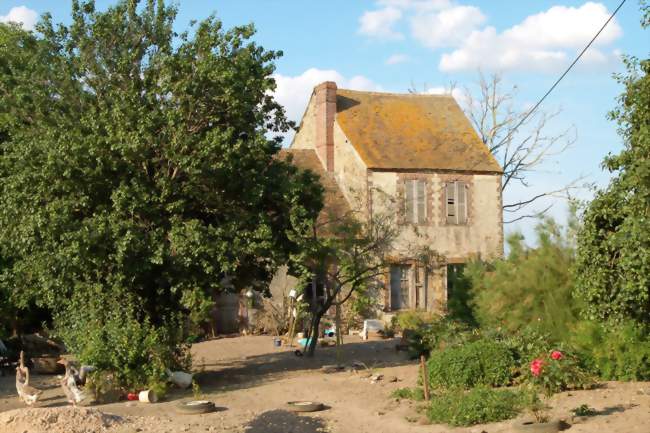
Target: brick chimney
(325, 97)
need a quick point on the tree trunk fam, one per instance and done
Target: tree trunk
(313, 331)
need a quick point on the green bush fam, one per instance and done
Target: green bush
(116, 338)
(478, 406)
(414, 319)
(615, 352)
(556, 371)
(482, 362)
(437, 335)
(528, 343)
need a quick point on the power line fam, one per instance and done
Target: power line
(521, 122)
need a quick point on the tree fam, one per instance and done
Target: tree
(517, 138)
(342, 254)
(532, 286)
(136, 172)
(613, 261)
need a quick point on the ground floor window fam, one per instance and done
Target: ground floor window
(400, 285)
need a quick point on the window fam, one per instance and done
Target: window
(400, 282)
(456, 200)
(415, 208)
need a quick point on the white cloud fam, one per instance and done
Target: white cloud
(397, 58)
(543, 42)
(446, 28)
(21, 15)
(457, 93)
(380, 23)
(293, 91)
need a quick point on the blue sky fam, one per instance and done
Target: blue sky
(392, 45)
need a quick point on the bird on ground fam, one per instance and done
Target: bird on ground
(72, 381)
(27, 393)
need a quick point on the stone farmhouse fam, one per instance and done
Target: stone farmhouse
(422, 151)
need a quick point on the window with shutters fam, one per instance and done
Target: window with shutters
(456, 201)
(415, 201)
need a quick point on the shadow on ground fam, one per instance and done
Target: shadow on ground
(256, 370)
(281, 421)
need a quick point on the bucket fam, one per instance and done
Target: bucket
(277, 342)
(147, 396)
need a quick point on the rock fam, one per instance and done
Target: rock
(393, 379)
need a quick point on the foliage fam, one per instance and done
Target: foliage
(556, 371)
(135, 165)
(533, 284)
(527, 343)
(614, 352)
(343, 254)
(414, 319)
(416, 394)
(126, 344)
(613, 261)
(481, 362)
(477, 406)
(584, 410)
(437, 335)
(362, 305)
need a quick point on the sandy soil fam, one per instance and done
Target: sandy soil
(250, 381)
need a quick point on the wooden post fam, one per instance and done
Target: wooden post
(425, 378)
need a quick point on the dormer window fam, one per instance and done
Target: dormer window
(456, 202)
(415, 201)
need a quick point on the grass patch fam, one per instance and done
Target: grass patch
(416, 394)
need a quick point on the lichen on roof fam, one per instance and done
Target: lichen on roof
(412, 132)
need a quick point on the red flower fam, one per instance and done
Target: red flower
(556, 355)
(536, 367)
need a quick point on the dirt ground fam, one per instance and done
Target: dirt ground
(249, 380)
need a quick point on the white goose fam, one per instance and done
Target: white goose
(27, 393)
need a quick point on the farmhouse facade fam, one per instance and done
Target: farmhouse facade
(420, 152)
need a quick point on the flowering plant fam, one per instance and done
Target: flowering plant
(551, 373)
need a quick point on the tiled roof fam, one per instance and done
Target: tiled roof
(335, 203)
(413, 132)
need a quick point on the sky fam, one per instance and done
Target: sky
(435, 45)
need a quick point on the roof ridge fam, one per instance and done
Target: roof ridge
(415, 95)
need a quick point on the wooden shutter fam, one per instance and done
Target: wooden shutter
(408, 202)
(461, 208)
(421, 201)
(450, 198)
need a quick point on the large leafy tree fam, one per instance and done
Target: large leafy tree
(613, 261)
(135, 164)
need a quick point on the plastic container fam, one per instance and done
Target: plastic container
(147, 396)
(180, 379)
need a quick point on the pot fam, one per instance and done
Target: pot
(148, 396)
(553, 426)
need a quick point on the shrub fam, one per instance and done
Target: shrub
(530, 285)
(477, 406)
(117, 339)
(482, 362)
(414, 320)
(615, 352)
(437, 335)
(556, 371)
(528, 343)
